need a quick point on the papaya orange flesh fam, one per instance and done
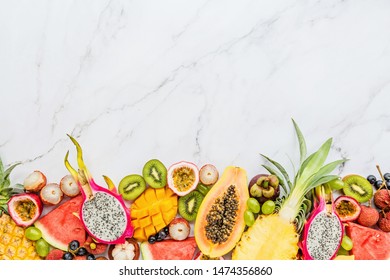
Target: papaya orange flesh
(219, 223)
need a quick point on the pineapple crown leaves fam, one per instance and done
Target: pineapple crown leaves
(311, 173)
(6, 191)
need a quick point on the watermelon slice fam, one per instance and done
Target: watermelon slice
(368, 243)
(60, 226)
(169, 249)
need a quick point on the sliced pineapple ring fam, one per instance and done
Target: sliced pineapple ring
(153, 210)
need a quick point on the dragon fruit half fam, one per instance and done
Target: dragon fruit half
(323, 231)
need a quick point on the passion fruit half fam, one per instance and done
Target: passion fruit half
(183, 177)
(25, 208)
(347, 208)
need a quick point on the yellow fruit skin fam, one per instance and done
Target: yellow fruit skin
(269, 238)
(13, 244)
(153, 210)
(237, 177)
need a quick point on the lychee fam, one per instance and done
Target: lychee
(35, 181)
(382, 199)
(368, 216)
(179, 229)
(384, 222)
(51, 194)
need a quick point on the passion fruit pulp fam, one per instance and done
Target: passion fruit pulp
(25, 208)
(347, 208)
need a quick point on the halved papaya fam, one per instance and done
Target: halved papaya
(220, 222)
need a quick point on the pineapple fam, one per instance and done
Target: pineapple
(5, 190)
(276, 236)
(13, 243)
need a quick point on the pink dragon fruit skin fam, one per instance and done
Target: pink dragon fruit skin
(323, 209)
(91, 193)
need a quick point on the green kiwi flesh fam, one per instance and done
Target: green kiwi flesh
(189, 205)
(155, 173)
(131, 186)
(358, 188)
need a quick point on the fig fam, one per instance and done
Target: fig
(25, 208)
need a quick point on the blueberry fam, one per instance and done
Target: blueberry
(161, 235)
(67, 256)
(73, 245)
(388, 184)
(386, 176)
(371, 179)
(152, 239)
(378, 184)
(91, 257)
(81, 251)
(166, 230)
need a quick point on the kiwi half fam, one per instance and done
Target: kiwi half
(189, 205)
(358, 188)
(155, 173)
(131, 186)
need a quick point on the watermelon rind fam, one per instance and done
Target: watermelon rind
(181, 250)
(61, 225)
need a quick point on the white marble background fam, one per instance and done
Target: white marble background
(203, 81)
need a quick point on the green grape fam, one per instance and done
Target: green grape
(346, 243)
(342, 252)
(249, 218)
(336, 184)
(33, 233)
(253, 205)
(203, 189)
(42, 247)
(268, 207)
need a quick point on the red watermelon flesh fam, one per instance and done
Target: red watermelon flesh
(169, 249)
(368, 243)
(60, 226)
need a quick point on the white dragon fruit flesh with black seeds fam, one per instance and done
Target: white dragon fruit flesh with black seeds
(324, 235)
(323, 231)
(104, 217)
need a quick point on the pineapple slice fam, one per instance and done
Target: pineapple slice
(13, 244)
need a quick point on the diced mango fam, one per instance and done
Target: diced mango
(153, 210)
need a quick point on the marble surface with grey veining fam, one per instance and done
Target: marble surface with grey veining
(203, 81)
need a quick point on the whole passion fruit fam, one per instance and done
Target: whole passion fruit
(347, 208)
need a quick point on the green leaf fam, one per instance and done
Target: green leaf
(1, 167)
(7, 172)
(302, 142)
(277, 174)
(316, 161)
(325, 170)
(281, 169)
(324, 179)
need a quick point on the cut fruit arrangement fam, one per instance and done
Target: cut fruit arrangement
(191, 212)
